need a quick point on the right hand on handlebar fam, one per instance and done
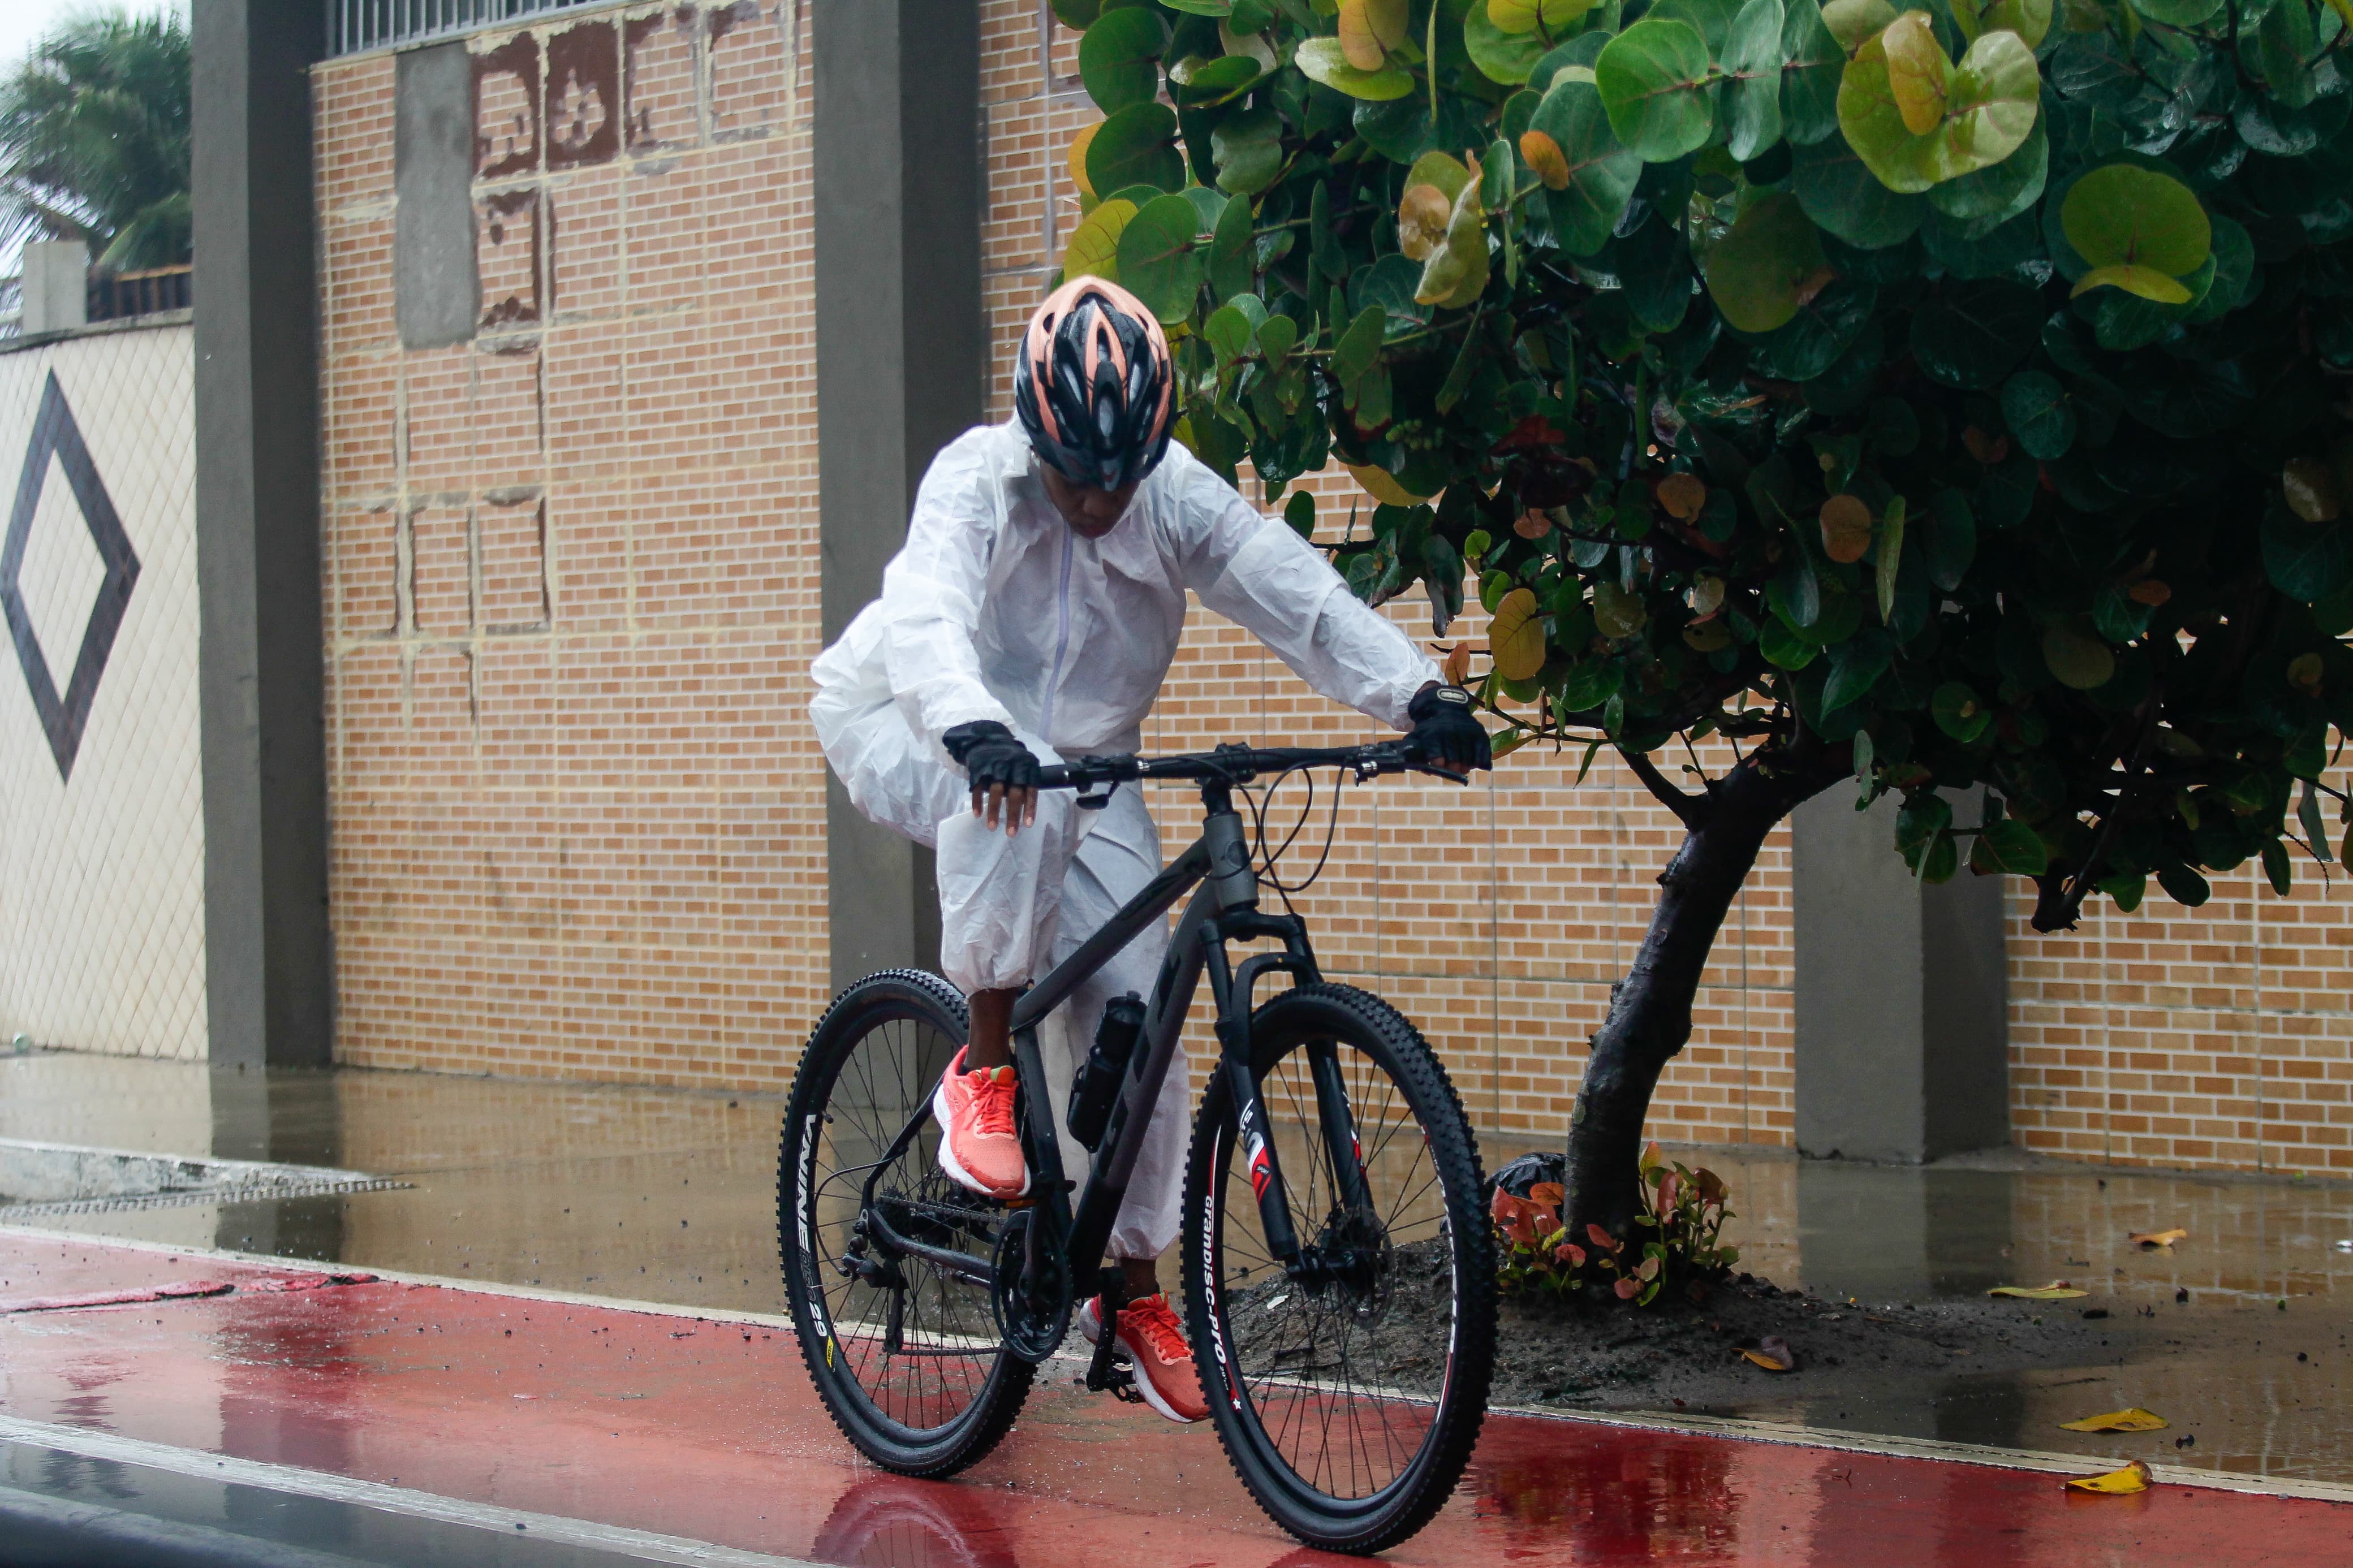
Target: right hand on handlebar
(1445, 737)
(1001, 771)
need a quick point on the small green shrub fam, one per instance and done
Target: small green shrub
(1683, 1216)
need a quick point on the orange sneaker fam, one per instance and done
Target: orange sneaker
(978, 1146)
(1155, 1341)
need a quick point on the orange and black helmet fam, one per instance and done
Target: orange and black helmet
(1094, 388)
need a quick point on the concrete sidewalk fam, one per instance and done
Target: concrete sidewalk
(663, 1435)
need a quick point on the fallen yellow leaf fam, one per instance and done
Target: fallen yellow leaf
(2132, 1420)
(1773, 1353)
(2057, 1291)
(2158, 1237)
(2133, 1478)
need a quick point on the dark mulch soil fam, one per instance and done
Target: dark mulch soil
(1577, 1355)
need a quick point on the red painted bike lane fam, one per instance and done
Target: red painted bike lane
(706, 1428)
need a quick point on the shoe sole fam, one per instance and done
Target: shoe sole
(956, 1172)
(1091, 1329)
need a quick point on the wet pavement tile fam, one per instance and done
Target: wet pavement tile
(668, 1196)
(703, 1428)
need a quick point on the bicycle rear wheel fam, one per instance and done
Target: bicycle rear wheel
(903, 1346)
(1347, 1406)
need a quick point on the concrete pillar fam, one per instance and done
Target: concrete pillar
(56, 286)
(1902, 1010)
(901, 363)
(269, 966)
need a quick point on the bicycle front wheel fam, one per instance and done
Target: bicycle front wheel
(901, 1343)
(1348, 1397)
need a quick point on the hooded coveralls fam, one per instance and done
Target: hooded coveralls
(997, 609)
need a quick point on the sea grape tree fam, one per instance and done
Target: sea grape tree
(1933, 399)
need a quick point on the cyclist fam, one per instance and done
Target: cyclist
(1032, 615)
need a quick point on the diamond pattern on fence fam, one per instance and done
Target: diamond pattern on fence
(101, 850)
(73, 613)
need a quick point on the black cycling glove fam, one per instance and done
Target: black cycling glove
(989, 754)
(1445, 732)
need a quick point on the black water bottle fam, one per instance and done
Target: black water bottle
(1096, 1087)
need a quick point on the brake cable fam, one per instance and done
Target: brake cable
(1269, 858)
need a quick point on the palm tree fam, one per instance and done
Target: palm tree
(94, 140)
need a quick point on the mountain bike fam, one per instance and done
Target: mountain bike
(1338, 1264)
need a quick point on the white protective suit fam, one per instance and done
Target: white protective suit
(997, 609)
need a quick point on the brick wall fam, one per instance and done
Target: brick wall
(580, 819)
(578, 826)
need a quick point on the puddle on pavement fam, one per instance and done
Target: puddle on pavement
(669, 1195)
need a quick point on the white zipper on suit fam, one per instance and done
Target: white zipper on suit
(1062, 640)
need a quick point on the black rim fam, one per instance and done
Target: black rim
(918, 1357)
(1335, 1385)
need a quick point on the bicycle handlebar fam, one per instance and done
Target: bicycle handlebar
(1234, 764)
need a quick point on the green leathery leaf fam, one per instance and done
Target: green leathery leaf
(1324, 61)
(1959, 711)
(2002, 191)
(1093, 250)
(1855, 667)
(1228, 333)
(1854, 22)
(1219, 80)
(2006, 846)
(1137, 146)
(1603, 172)
(1502, 58)
(2315, 830)
(1768, 265)
(1277, 336)
(1248, 150)
(1119, 60)
(2076, 655)
(2035, 407)
(2137, 230)
(1159, 261)
(1655, 80)
(1990, 102)
(1812, 60)
(1783, 648)
(1357, 355)
(2307, 561)
(1230, 269)
(1553, 16)
(2029, 19)
(2178, 13)
(1752, 98)
(1845, 198)
(2183, 885)
(1921, 820)
(2276, 869)
(1712, 17)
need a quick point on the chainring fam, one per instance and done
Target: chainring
(1033, 1322)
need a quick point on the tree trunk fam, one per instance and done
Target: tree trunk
(1651, 1010)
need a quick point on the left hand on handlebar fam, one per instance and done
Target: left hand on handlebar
(1001, 771)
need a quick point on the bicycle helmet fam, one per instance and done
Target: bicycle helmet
(1094, 388)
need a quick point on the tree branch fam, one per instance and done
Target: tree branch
(1691, 810)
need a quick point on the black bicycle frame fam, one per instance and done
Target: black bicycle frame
(1223, 909)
